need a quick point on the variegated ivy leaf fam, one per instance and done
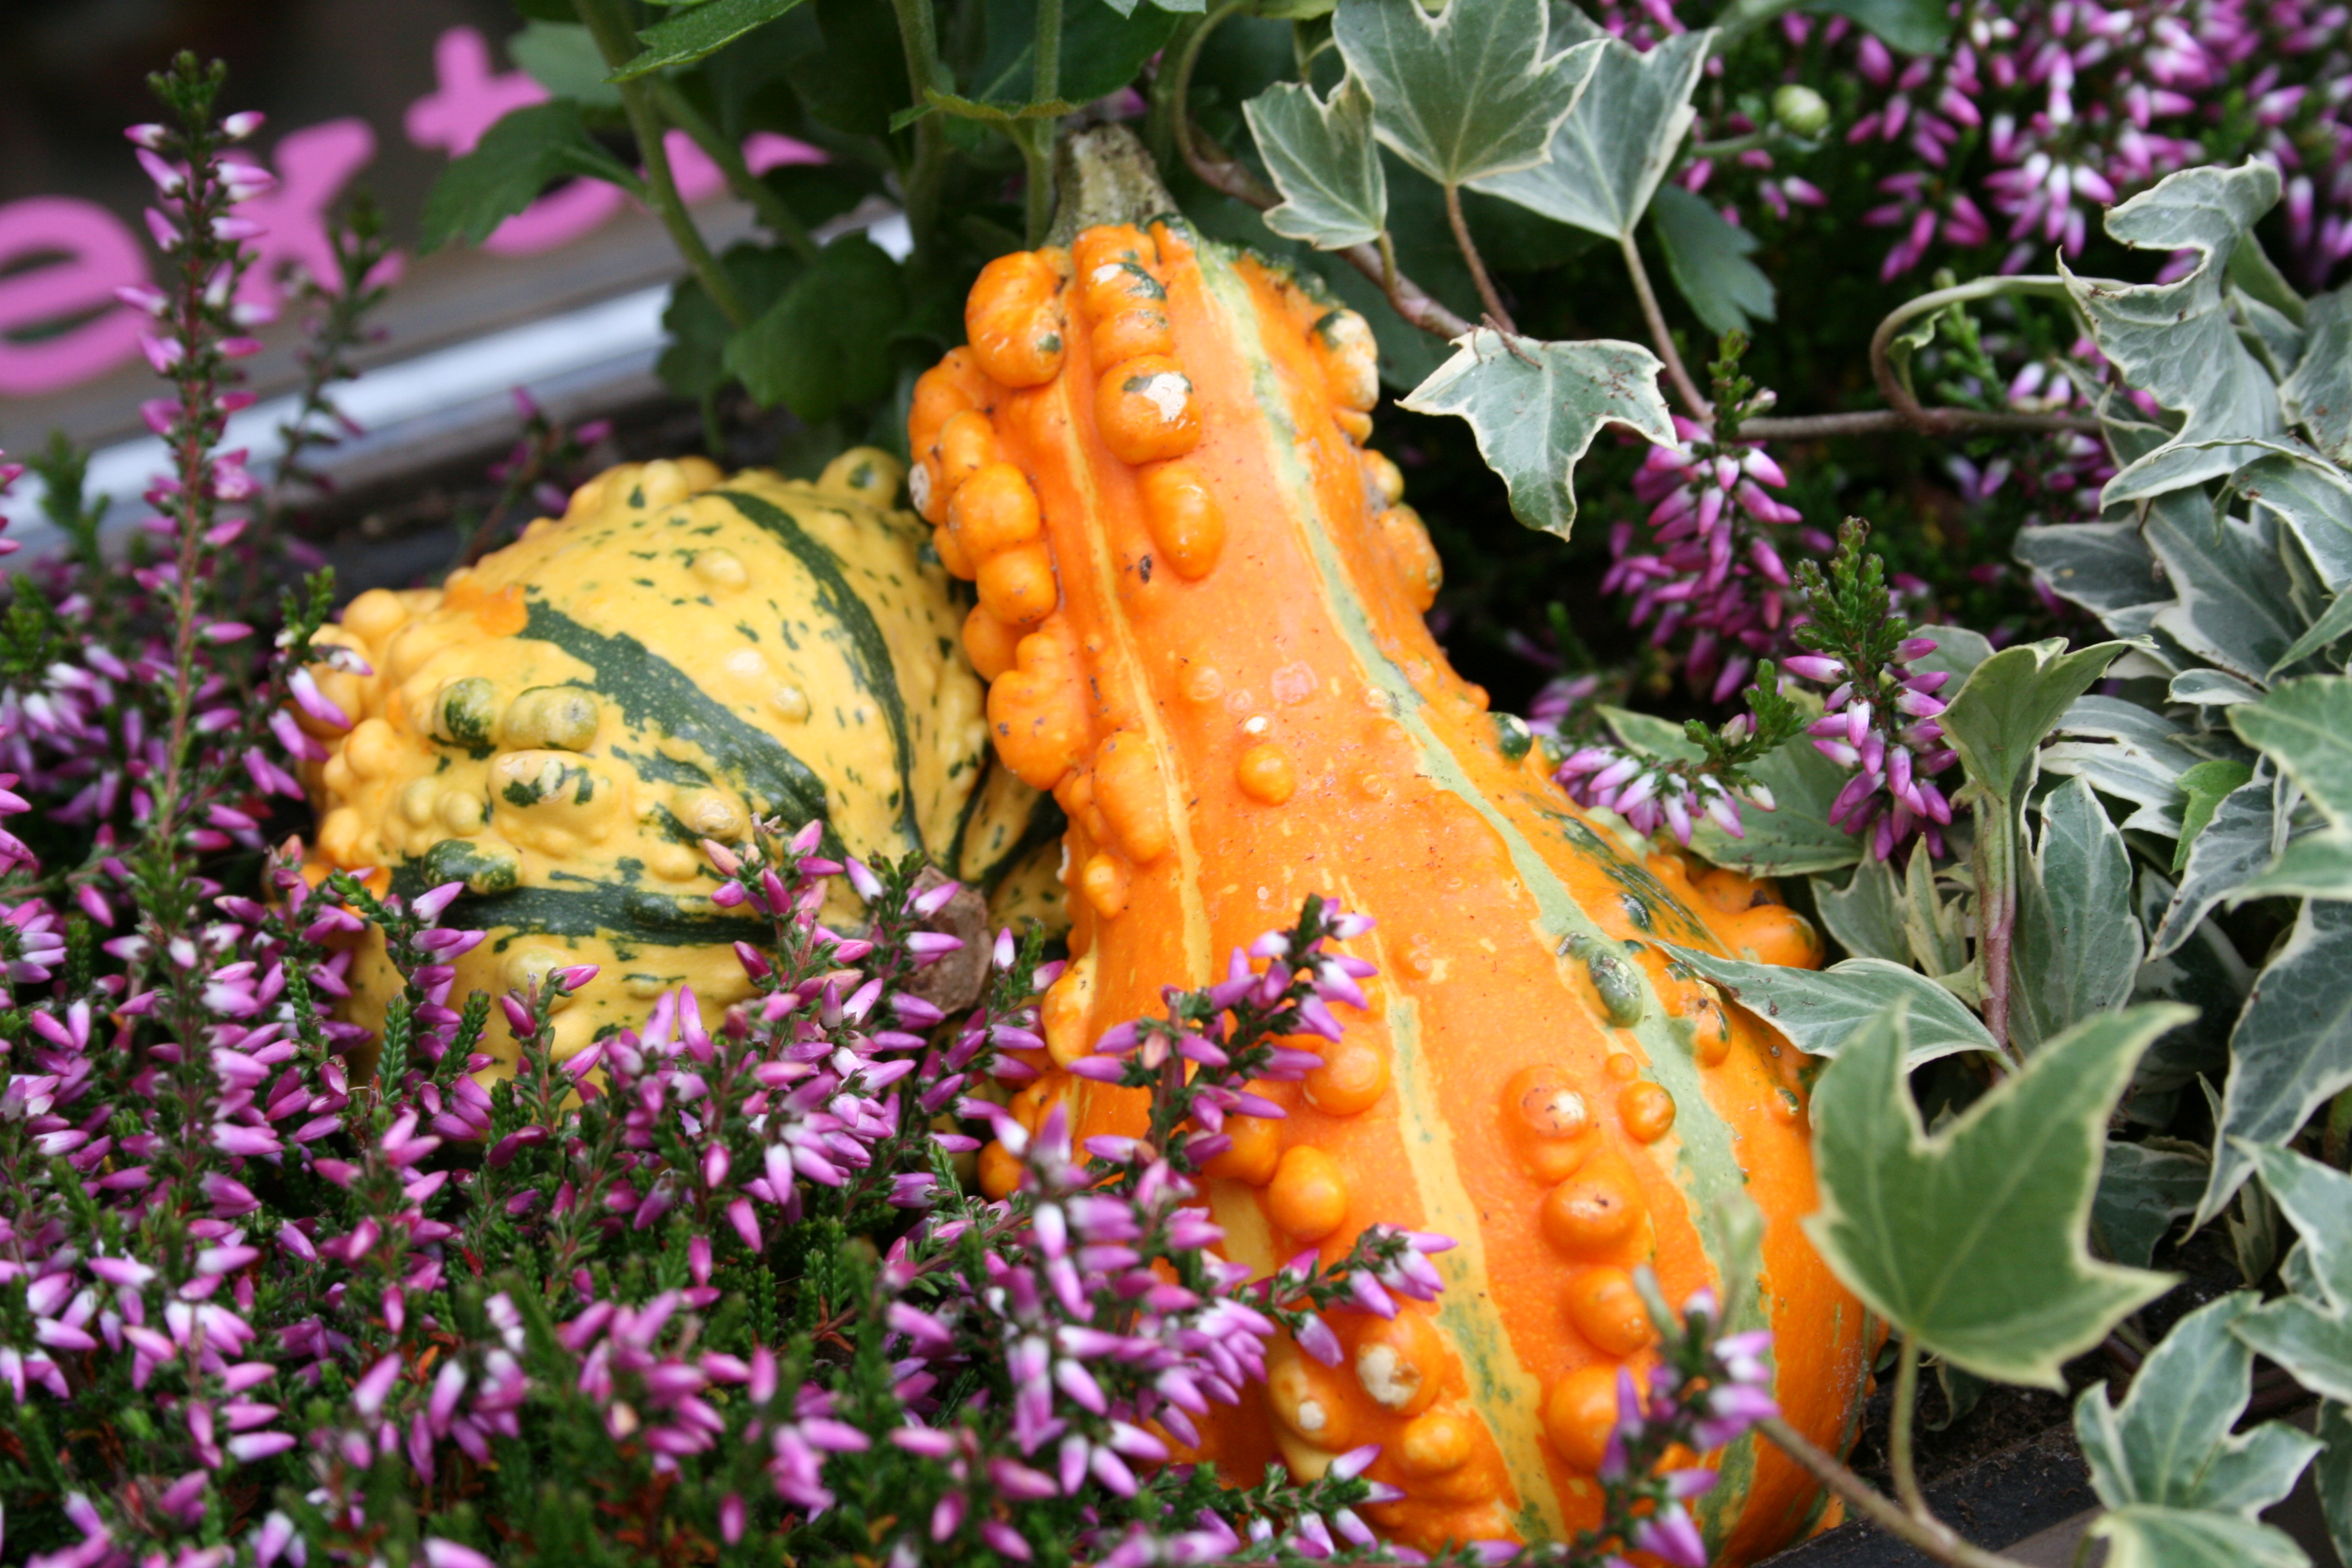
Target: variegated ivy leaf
(1971, 1242)
(2177, 341)
(1468, 92)
(2077, 945)
(1997, 720)
(2316, 866)
(1609, 156)
(2106, 567)
(2308, 1331)
(1818, 1012)
(2292, 1051)
(1324, 161)
(2315, 500)
(2184, 1538)
(2143, 1188)
(2305, 726)
(2203, 788)
(2233, 848)
(1866, 914)
(2318, 396)
(2225, 573)
(2173, 1442)
(1534, 408)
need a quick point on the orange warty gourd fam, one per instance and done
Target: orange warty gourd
(1200, 611)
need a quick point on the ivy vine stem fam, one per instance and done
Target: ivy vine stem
(1469, 246)
(1900, 1418)
(618, 44)
(1931, 1534)
(1687, 389)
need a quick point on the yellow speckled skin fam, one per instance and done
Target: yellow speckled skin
(677, 656)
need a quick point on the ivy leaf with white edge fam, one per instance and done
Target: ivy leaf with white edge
(2187, 1538)
(2315, 500)
(1325, 163)
(2318, 396)
(1999, 716)
(2223, 569)
(1796, 837)
(1468, 92)
(2203, 788)
(2077, 945)
(2106, 567)
(2308, 1331)
(2143, 1188)
(1819, 1011)
(2292, 1051)
(1610, 155)
(1971, 1242)
(1708, 258)
(2230, 852)
(2305, 726)
(2173, 1442)
(1866, 914)
(1534, 408)
(2316, 866)
(2177, 340)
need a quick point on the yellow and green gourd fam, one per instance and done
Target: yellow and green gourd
(677, 656)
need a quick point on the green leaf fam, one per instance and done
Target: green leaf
(693, 363)
(2292, 1051)
(689, 36)
(2318, 396)
(2143, 1188)
(1796, 837)
(1102, 50)
(1610, 155)
(2313, 499)
(2305, 726)
(1468, 92)
(1708, 259)
(1997, 717)
(1914, 26)
(562, 57)
(2233, 849)
(1971, 1242)
(1866, 914)
(2316, 866)
(515, 160)
(2203, 788)
(824, 343)
(856, 81)
(2179, 1538)
(1819, 1011)
(2177, 340)
(2173, 1444)
(1534, 408)
(2077, 946)
(1325, 163)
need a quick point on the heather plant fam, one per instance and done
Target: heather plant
(724, 1287)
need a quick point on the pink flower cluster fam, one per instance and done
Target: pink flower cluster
(1714, 571)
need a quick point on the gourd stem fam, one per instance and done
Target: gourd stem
(1931, 1536)
(618, 44)
(1469, 247)
(1685, 387)
(1104, 175)
(922, 179)
(1900, 1418)
(747, 186)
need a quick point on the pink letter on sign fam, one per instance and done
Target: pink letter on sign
(468, 102)
(312, 166)
(93, 253)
